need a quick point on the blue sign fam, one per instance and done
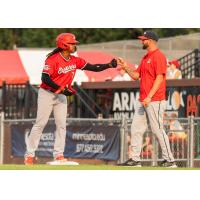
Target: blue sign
(92, 141)
(99, 142)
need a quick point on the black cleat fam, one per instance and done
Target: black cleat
(132, 163)
(168, 164)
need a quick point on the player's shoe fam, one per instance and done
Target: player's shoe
(60, 158)
(28, 160)
(132, 163)
(168, 164)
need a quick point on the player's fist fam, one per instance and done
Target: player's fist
(59, 90)
(69, 91)
(113, 63)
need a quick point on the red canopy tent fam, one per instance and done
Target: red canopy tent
(16, 68)
(11, 68)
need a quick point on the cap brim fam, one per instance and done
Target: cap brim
(143, 38)
(74, 42)
(77, 42)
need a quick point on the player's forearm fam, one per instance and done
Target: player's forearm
(156, 85)
(100, 67)
(131, 72)
(96, 67)
(47, 80)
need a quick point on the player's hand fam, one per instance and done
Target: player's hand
(59, 90)
(69, 91)
(146, 101)
(113, 63)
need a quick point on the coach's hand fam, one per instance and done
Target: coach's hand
(122, 63)
(146, 101)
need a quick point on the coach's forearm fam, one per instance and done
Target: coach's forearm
(156, 85)
(131, 72)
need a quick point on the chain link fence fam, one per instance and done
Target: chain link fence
(184, 138)
(86, 138)
(183, 133)
(195, 140)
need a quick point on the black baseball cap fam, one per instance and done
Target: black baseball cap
(149, 35)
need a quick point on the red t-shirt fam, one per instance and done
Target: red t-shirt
(60, 70)
(152, 64)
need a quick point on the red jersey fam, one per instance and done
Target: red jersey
(61, 70)
(152, 64)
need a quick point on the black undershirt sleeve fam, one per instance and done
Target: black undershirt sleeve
(47, 80)
(97, 67)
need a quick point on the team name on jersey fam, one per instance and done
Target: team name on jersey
(66, 69)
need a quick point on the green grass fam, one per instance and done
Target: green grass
(84, 167)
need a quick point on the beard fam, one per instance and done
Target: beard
(145, 46)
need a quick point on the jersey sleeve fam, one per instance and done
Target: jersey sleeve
(160, 64)
(80, 63)
(49, 67)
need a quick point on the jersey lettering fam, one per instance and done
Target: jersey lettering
(66, 69)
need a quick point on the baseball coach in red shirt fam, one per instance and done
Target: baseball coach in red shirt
(151, 105)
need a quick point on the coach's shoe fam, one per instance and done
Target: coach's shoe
(132, 163)
(28, 160)
(168, 164)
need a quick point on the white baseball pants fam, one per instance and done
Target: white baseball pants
(48, 101)
(154, 114)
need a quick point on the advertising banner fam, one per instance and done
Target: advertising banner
(20, 133)
(182, 101)
(97, 142)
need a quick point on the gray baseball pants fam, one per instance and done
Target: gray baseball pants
(48, 101)
(154, 114)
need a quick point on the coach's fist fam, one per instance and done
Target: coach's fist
(121, 62)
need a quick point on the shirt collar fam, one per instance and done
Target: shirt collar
(151, 52)
(64, 57)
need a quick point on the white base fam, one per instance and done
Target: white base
(58, 162)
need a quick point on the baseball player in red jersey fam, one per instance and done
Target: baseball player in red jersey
(152, 75)
(57, 76)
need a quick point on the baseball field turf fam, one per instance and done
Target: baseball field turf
(86, 167)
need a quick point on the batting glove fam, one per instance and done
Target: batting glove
(113, 63)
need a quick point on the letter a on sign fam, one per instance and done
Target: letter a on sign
(117, 102)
